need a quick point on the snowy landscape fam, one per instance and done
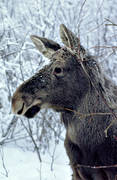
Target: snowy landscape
(25, 165)
(34, 149)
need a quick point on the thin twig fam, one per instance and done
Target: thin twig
(96, 167)
(29, 131)
(109, 47)
(3, 163)
(80, 20)
(53, 154)
(112, 24)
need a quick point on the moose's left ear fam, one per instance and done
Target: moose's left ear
(68, 38)
(45, 46)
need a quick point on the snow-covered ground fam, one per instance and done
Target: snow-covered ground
(24, 165)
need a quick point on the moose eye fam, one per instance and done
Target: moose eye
(58, 71)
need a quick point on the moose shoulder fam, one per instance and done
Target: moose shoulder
(73, 84)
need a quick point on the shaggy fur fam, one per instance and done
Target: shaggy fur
(73, 84)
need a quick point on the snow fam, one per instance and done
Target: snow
(24, 165)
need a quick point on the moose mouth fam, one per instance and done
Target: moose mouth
(30, 112)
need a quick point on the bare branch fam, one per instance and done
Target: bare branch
(29, 131)
(3, 163)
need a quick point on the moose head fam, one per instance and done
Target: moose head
(61, 84)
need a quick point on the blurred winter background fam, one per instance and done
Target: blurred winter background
(34, 149)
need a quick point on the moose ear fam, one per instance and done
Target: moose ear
(45, 46)
(68, 38)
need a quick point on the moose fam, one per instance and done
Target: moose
(74, 85)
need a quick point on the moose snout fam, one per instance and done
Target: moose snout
(18, 105)
(25, 104)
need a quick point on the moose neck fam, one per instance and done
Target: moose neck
(86, 126)
(93, 102)
(92, 106)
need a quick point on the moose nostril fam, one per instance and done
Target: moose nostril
(20, 111)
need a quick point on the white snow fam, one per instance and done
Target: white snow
(24, 165)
